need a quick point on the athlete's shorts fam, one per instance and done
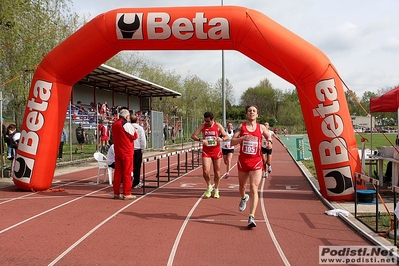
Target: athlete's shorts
(212, 155)
(227, 151)
(80, 140)
(267, 151)
(104, 138)
(249, 164)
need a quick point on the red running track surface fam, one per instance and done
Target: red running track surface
(171, 225)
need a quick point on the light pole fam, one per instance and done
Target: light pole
(223, 90)
(195, 115)
(174, 112)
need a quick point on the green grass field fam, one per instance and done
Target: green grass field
(372, 141)
(376, 140)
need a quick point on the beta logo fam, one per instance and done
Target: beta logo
(338, 181)
(129, 26)
(23, 167)
(29, 142)
(159, 26)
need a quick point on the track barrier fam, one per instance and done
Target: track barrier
(191, 161)
(367, 196)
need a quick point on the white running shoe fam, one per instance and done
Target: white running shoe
(251, 222)
(269, 169)
(243, 203)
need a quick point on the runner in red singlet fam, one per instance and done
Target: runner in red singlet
(211, 152)
(250, 164)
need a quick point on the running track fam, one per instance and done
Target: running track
(172, 225)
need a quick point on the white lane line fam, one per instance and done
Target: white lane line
(56, 207)
(292, 191)
(183, 227)
(49, 210)
(179, 235)
(33, 193)
(224, 221)
(91, 231)
(109, 218)
(74, 183)
(269, 228)
(52, 209)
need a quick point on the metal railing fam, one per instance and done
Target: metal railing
(374, 193)
(173, 170)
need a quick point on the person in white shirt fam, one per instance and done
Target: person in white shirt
(227, 150)
(267, 152)
(140, 144)
(111, 157)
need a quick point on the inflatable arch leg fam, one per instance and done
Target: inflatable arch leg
(191, 28)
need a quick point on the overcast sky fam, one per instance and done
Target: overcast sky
(361, 38)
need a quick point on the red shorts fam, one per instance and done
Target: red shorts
(249, 164)
(212, 155)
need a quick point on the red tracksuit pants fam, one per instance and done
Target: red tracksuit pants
(123, 173)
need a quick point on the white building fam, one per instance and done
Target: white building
(363, 123)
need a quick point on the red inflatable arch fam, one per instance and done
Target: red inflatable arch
(320, 90)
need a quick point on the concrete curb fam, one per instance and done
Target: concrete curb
(350, 220)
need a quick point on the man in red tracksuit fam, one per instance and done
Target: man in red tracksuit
(124, 135)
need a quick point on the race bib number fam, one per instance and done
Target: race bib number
(250, 147)
(211, 141)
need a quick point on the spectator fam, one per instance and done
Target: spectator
(80, 137)
(8, 140)
(139, 147)
(3, 142)
(285, 131)
(14, 136)
(64, 139)
(165, 134)
(172, 134)
(104, 136)
(111, 157)
(114, 117)
(99, 104)
(104, 111)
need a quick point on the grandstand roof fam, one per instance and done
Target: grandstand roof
(109, 78)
